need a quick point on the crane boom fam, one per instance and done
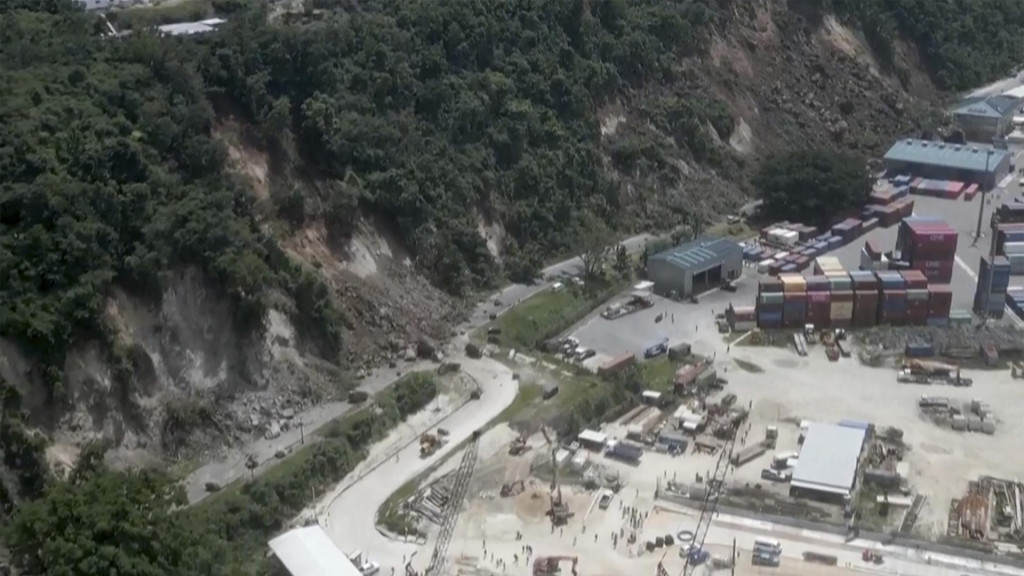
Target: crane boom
(707, 510)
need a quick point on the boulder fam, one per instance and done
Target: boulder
(425, 347)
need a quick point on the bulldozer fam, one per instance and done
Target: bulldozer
(429, 443)
(548, 565)
(509, 489)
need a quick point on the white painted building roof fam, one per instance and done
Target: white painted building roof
(651, 394)
(592, 436)
(828, 459)
(308, 551)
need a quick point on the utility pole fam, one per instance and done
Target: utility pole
(302, 433)
(991, 270)
(984, 187)
(732, 571)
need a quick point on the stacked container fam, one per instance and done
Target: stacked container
(865, 298)
(819, 298)
(841, 309)
(970, 192)
(892, 306)
(993, 305)
(741, 318)
(940, 300)
(929, 245)
(825, 264)
(769, 303)
(1010, 243)
(794, 304)
(1015, 300)
(1011, 210)
(847, 229)
(917, 297)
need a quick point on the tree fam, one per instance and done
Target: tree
(812, 185)
(592, 240)
(103, 522)
(621, 260)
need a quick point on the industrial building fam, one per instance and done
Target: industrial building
(308, 551)
(827, 468)
(695, 267)
(984, 119)
(971, 163)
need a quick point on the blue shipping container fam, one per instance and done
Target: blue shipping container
(939, 322)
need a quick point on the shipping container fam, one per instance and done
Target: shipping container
(626, 450)
(940, 299)
(769, 285)
(748, 453)
(914, 279)
(618, 363)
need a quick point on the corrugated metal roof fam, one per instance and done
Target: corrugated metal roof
(828, 459)
(309, 552)
(700, 254)
(960, 156)
(989, 107)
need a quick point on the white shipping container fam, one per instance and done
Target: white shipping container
(775, 234)
(790, 237)
(763, 265)
(1013, 248)
(781, 255)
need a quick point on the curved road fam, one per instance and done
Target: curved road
(231, 466)
(349, 517)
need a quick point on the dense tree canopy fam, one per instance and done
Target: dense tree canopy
(812, 185)
(964, 43)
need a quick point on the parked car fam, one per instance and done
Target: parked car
(605, 501)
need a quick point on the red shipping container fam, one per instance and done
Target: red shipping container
(917, 313)
(940, 300)
(936, 237)
(914, 279)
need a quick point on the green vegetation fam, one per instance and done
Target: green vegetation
(104, 522)
(812, 185)
(23, 469)
(964, 43)
(544, 315)
(658, 374)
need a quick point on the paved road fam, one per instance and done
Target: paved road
(349, 515)
(231, 466)
(897, 559)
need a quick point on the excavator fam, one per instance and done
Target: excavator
(559, 511)
(518, 445)
(548, 565)
(429, 443)
(514, 488)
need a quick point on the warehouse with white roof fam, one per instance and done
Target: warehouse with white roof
(827, 468)
(308, 551)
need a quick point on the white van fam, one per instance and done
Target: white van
(767, 545)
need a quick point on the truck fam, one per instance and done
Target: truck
(749, 453)
(656, 349)
(638, 300)
(625, 450)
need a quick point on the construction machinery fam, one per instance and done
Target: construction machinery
(515, 488)
(429, 444)
(518, 445)
(463, 474)
(715, 483)
(549, 565)
(1017, 369)
(559, 511)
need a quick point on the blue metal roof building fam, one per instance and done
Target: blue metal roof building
(975, 163)
(695, 267)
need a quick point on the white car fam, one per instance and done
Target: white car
(366, 566)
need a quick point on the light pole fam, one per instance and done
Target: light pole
(981, 207)
(302, 434)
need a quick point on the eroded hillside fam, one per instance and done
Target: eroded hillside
(203, 233)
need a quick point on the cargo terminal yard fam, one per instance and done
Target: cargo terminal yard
(846, 442)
